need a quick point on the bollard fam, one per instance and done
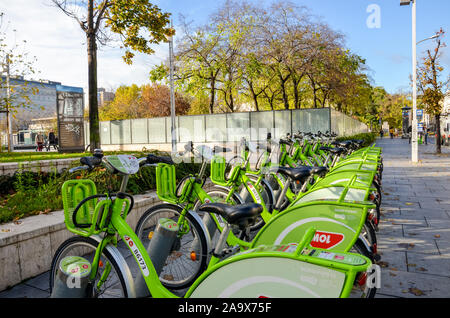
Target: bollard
(72, 278)
(158, 249)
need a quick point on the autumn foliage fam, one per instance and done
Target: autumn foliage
(146, 101)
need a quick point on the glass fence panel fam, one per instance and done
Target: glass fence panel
(120, 132)
(157, 130)
(192, 128)
(139, 133)
(216, 128)
(238, 126)
(282, 123)
(105, 133)
(261, 124)
(310, 120)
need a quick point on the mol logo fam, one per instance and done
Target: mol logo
(326, 240)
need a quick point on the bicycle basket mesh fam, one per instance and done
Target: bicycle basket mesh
(73, 192)
(218, 167)
(166, 182)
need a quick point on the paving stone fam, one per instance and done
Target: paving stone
(429, 264)
(414, 285)
(392, 261)
(411, 219)
(24, 291)
(40, 282)
(404, 244)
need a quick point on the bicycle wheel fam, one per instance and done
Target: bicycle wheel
(188, 257)
(368, 232)
(362, 287)
(114, 284)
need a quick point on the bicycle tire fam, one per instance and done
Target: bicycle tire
(359, 248)
(370, 233)
(80, 244)
(175, 274)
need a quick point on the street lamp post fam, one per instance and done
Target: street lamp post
(172, 96)
(414, 141)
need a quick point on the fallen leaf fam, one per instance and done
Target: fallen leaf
(17, 222)
(392, 274)
(394, 269)
(422, 269)
(409, 203)
(404, 291)
(416, 291)
(412, 265)
(437, 236)
(383, 264)
(6, 230)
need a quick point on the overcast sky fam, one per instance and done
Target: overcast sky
(59, 44)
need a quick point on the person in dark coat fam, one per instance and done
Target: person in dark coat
(52, 140)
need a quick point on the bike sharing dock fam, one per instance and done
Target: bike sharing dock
(414, 237)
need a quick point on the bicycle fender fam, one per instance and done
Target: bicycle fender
(124, 268)
(203, 227)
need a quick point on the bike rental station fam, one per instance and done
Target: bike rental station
(293, 217)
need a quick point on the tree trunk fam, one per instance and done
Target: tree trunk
(213, 95)
(438, 133)
(254, 95)
(94, 130)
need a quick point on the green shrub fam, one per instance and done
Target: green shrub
(369, 138)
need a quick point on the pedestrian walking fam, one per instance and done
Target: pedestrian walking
(425, 131)
(391, 132)
(39, 141)
(381, 133)
(51, 140)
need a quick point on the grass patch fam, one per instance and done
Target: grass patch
(6, 157)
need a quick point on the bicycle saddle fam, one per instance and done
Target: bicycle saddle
(151, 159)
(91, 161)
(321, 171)
(336, 151)
(296, 174)
(218, 149)
(285, 142)
(242, 215)
(345, 144)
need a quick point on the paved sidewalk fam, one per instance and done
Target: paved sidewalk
(414, 236)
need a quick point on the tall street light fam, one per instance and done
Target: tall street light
(172, 96)
(414, 143)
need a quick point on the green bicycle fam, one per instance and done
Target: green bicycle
(287, 270)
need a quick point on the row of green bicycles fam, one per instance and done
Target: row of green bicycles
(290, 218)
